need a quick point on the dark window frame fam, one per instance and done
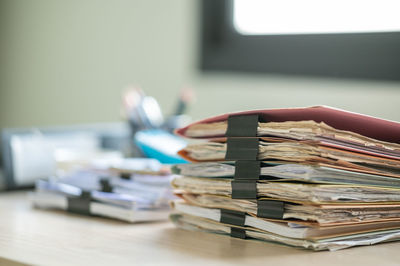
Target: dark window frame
(348, 55)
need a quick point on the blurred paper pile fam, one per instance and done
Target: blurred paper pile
(132, 190)
(317, 178)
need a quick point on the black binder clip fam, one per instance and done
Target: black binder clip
(242, 126)
(244, 185)
(242, 149)
(244, 189)
(126, 176)
(247, 170)
(106, 185)
(232, 217)
(81, 204)
(238, 233)
(270, 209)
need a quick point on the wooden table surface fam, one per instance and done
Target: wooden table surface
(40, 237)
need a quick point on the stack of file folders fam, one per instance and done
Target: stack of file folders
(317, 178)
(118, 194)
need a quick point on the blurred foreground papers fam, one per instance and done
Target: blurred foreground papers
(317, 178)
(132, 190)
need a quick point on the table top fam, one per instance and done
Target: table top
(43, 237)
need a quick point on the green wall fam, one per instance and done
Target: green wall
(66, 62)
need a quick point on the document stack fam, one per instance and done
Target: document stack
(134, 190)
(316, 178)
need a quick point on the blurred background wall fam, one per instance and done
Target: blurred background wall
(66, 62)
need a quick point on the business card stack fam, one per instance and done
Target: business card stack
(136, 190)
(316, 178)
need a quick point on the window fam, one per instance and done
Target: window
(266, 17)
(353, 38)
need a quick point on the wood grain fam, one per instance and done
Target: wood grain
(42, 237)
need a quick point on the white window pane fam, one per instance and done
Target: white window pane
(316, 16)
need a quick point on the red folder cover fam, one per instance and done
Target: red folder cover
(365, 125)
